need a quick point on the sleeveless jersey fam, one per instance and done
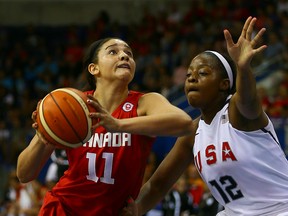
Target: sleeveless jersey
(247, 172)
(105, 171)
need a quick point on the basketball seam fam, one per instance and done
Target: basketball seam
(67, 120)
(86, 110)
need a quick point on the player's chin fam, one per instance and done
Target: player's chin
(194, 101)
(126, 76)
(193, 97)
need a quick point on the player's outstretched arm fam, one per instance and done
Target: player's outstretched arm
(156, 117)
(242, 54)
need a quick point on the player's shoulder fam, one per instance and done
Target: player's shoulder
(153, 97)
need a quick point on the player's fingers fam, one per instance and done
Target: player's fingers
(34, 115)
(95, 103)
(257, 37)
(245, 27)
(38, 104)
(91, 97)
(260, 49)
(98, 124)
(96, 115)
(250, 28)
(35, 125)
(228, 38)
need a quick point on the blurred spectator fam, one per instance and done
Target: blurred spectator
(275, 46)
(209, 205)
(197, 186)
(22, 199)
(264, 97)
(56, 168)
(11, 195)
(5, 139)
(282, 6)
(279, 106)
(30, 198)
(178, 202)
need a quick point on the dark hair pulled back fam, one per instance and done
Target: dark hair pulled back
(91, 55)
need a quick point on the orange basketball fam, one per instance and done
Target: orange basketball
(63, 119)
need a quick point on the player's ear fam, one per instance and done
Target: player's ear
(224, 85)
(93, 68)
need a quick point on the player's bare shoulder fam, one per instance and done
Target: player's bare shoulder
(152, 101)
(152, 97)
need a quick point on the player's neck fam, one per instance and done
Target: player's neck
(110, 98)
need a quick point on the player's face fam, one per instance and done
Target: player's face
(115, 60)
(202, 85)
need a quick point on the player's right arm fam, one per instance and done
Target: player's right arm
(32, 159)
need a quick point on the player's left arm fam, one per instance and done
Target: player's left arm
(246, 100)
(156, 117)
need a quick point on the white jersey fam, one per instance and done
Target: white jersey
(247, 172)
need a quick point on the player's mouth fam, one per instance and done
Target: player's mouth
(127, 66)
(192, 89)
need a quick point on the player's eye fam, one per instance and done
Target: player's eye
(129, 53)
(202, 73)
(112, 52)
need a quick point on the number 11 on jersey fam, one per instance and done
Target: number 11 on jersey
(106, 178)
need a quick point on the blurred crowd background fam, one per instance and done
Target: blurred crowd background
(35, 59)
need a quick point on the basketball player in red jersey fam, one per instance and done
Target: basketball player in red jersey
(235, 147)
(108, 169)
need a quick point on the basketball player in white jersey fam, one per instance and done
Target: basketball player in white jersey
(235, 147)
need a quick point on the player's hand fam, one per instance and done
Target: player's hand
(35, 126)
(105, 119)
(243, 51)
(130, 209)
(34, 116)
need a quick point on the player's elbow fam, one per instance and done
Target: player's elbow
(24, 178)
(23, 175)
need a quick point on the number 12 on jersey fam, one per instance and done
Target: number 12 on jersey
(227, 188)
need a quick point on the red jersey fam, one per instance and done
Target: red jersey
(105, 171)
